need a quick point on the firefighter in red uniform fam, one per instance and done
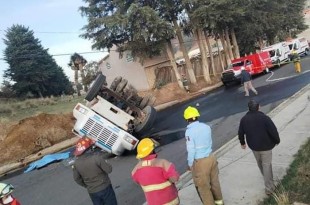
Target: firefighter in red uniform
(6, 197)
(157, 177)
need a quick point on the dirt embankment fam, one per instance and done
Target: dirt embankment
(33, 134)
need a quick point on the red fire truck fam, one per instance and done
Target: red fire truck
(255, 64)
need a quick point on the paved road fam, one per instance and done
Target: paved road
(221, 108)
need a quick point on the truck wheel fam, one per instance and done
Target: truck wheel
(146, 123)
(115, 83)
(144, 101)
(95, 88)
(307, 52)
(152, 101)
(121, 86)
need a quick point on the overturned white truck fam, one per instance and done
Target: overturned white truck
(116, 117)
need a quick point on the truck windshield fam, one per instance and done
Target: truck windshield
(237, 64)
(290, 46)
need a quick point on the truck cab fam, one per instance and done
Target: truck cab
(111, 119)
(301, 45)
(254, 64)
(279, 53)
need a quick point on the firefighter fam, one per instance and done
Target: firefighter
(90, 170)
(200, 160)
(296, 60)
(157, 177)
(6, 197)
(185, 83)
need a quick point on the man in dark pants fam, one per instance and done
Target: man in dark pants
(246, 80)
(261, 136)
(91, 171)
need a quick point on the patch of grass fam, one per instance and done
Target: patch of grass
(295, 186)
(15, 110)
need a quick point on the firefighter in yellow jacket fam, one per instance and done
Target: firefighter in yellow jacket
(296, 60)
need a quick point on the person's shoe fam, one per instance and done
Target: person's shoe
(219, 202)
(256, 93)
(246, 95)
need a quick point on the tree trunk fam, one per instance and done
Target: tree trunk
(228, 59)
(204, 58)
(170, 54)
(188, 63)
(76, 81)
(235, 43)
(228, 44)
(261, 43)
(83, 77)
(211, 55)
(221, 62)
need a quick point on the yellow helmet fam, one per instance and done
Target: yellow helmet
(191, 112)
(145, 148)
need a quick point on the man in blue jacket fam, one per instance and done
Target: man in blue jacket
(261, 136)
(246, 80)
(201, 161)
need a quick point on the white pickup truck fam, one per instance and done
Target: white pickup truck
(114, 116)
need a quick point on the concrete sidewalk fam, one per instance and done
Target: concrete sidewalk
(240, 177)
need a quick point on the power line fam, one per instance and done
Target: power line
(61, 54)
(52, 32)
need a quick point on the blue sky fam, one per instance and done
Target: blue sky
(56, 23)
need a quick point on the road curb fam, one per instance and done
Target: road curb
(55, 148)
(186, 177)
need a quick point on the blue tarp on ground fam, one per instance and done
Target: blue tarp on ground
(47, 159)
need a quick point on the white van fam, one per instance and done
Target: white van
(300, 44)
(278, 53)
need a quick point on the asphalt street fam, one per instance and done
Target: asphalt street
(222, 109)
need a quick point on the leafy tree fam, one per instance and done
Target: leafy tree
(91, 71)
(127, 25)
(77, 63)
(31, 69)
(6, 90)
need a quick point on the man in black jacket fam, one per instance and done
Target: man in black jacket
(261, 137)
(91, 171)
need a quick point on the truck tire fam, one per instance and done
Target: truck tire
(95, 88)
(115, 83)
(148, 120)
(278, 63)
(307, 51)
(145, 101)
(152, 101)
(121, 86)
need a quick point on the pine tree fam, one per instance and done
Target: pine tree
(31, 69)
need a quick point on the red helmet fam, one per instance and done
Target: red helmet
(82, 145)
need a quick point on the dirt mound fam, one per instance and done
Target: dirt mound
(33, 134)
(172, 91)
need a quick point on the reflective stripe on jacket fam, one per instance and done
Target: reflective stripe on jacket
(156, 177)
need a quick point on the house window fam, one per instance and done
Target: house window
(129, 57)
(108, 65)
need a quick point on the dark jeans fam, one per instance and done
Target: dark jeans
(104, 197)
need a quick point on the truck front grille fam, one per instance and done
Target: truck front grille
(99, 133)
